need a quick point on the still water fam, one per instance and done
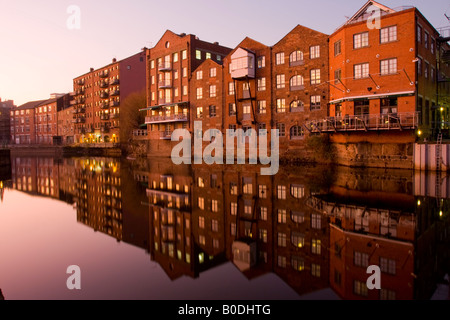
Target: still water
(148, 229)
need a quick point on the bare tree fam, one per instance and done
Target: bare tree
(131, 117)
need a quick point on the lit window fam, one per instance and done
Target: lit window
(388, 34)
(281, 105)
(199, 93)
(315, 103)
(199, 75)
(388, 66)
(314, 52)
(213, 72)
(361, 71)
(280, 81)
(198, 54)
(279, 58)
(261, 62)
(212, 91)
(361, 40)
(315, 76)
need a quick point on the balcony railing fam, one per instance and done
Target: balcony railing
(79, 110)
(171, 118)
(104, 95)
(103, 74)
(114, 115)
(164, 84)
(81, 120)
(166, 135)
(80, 82)
(114, 82)
(114, 103)
(104, 105)
(165, 66)
(104, 84)
(80, 92)
(104, 117)
(373, 122)
(115, 93)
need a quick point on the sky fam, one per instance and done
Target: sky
(40, 54)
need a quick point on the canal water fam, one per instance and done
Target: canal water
(148, 229)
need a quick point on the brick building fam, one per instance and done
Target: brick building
(66, 127)
(23, 129)
(5, 122)
(384, 84)
(98, 95)
(170, 66)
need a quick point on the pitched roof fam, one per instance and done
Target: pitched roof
(31, 105)
(364, 11)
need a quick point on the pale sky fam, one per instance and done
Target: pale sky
(40, 55)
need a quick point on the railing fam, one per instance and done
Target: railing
(114, 82)
(81, 120)
(104, 117)
(104, 105)
(104, 95)
(114, 103)
(394, 121)
(103, 74)
(80, 82)
(164, 66)
(115, 93)
(104, 84)
(80, 92)
(140, 133)
(171, 118)
(164, 84)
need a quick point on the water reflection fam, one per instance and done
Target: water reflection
(315, 228)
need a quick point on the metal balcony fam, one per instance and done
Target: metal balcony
(166, 135)
(164, 66)
(81, 120)
(165, 84)
(114, 115)
(104, 105)
(114, 82)
(103, 74)
(104, 84)
(170, 118)
(114, 104)
(115, 93)
(80, 82)
(104, 95)
(372, 122)
(104, 117)
(80, 92)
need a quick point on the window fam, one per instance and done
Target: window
(296, 83)
(297, 106)
(315, 270)
(315, 103)
(388, 66)
(316, 221)
(296, 58)
(201, 222)
(152, 64)
(361, 71)
(262, 191)
(361, 40)
(233, 208)
(212, 91)
(184, 72)
(263, 213)
(419, 34)
(281, 262)
(232, 109)
(231, 88)
(208, 55)
(263, 235)
(297, 132)
(314, 52)
(262, 106)
(297, 191)
(213, 72)
(247, 186)
(281, 105)
(185, 90)
(419, 66)
(337, 48)
(246, 109)
(219, 57)
(298, 263)
(281, 192)
(360, 259)
(184, 54)
(199, 75)
(233, 229)
(261, 62)
(282, 239)
(212, 111)
(198, 54)
(262, 129)
(261, 84)
(199, 93)
(281, 127)
(360, 288)
(279, 57)
(281, 216)
(316, 246)
(426, 38)
(215, 226)
(199, 112)
(298, 240)
(388, 34)
(432, 45)
(387, 294)
(387, 266)
(297, 217)
(427, 70)
(175, 57)
(315, 76)
(280, 81)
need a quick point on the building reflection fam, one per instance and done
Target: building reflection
(315, 228)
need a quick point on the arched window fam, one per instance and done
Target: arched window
(297, 133)
(296, 58)
(296, 83)
(297, 106)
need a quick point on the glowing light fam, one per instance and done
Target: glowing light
(419, 133)
(442, 109)
(441, 213)
(419, 203)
